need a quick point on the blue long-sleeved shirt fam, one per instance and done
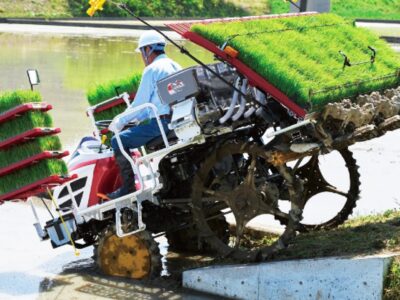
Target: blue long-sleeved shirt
(161, 67)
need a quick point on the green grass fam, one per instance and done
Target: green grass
(361, 236)
(300, 54)
(352, 9)
(368, 235)
(278, 6)
(25, 122)
(155, 8)
(106, 91)
(162, 8)
(29, 175)
(376, 234)
(391, 290)
(369, 9)
(35, 8)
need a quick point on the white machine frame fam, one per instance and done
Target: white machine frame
(190, 134)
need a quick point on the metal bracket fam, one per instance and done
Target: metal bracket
(118, 224)
(347, 62)
(41, 232)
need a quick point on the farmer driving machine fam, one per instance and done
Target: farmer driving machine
(246, 134)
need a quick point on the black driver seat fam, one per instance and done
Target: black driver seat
(158, 143)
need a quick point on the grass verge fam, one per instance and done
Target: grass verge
(300, 55)
(368, 9)
(376, 234)
(391, 290)
(360, 236)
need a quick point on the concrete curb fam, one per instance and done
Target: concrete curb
(328, 278)
(391, 39)
(378, 21)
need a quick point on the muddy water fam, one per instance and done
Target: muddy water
(68, 66)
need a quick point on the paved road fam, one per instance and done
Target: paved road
(75, 30)
(383, 29)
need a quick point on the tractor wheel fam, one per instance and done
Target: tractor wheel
(135, 256)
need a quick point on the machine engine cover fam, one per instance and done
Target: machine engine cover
(179, 86)
(198, 82)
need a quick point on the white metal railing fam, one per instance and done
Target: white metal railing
(90, 111)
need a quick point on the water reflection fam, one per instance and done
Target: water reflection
(68, 66)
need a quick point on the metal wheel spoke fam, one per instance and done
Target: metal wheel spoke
(218, 194)
(264, 208)
(249, 190)
(236, 245)
(315, 183)
(332, 189)
(280, 214)
(251, 171)
(240, 225)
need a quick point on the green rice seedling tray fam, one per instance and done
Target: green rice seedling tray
(295, 57)
(27, 135)
(28, 149)
(29, 156)
(36, 188)
(109, 90)
(21, 109)
(31, 174)
(31, 161)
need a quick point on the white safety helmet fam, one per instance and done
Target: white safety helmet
(150, 38)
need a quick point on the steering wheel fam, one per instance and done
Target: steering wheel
(103, 124)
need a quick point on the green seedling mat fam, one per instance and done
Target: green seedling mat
(300, 56)
(18, 125)
(105, 91)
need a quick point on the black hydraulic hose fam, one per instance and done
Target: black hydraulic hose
(183, 50)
